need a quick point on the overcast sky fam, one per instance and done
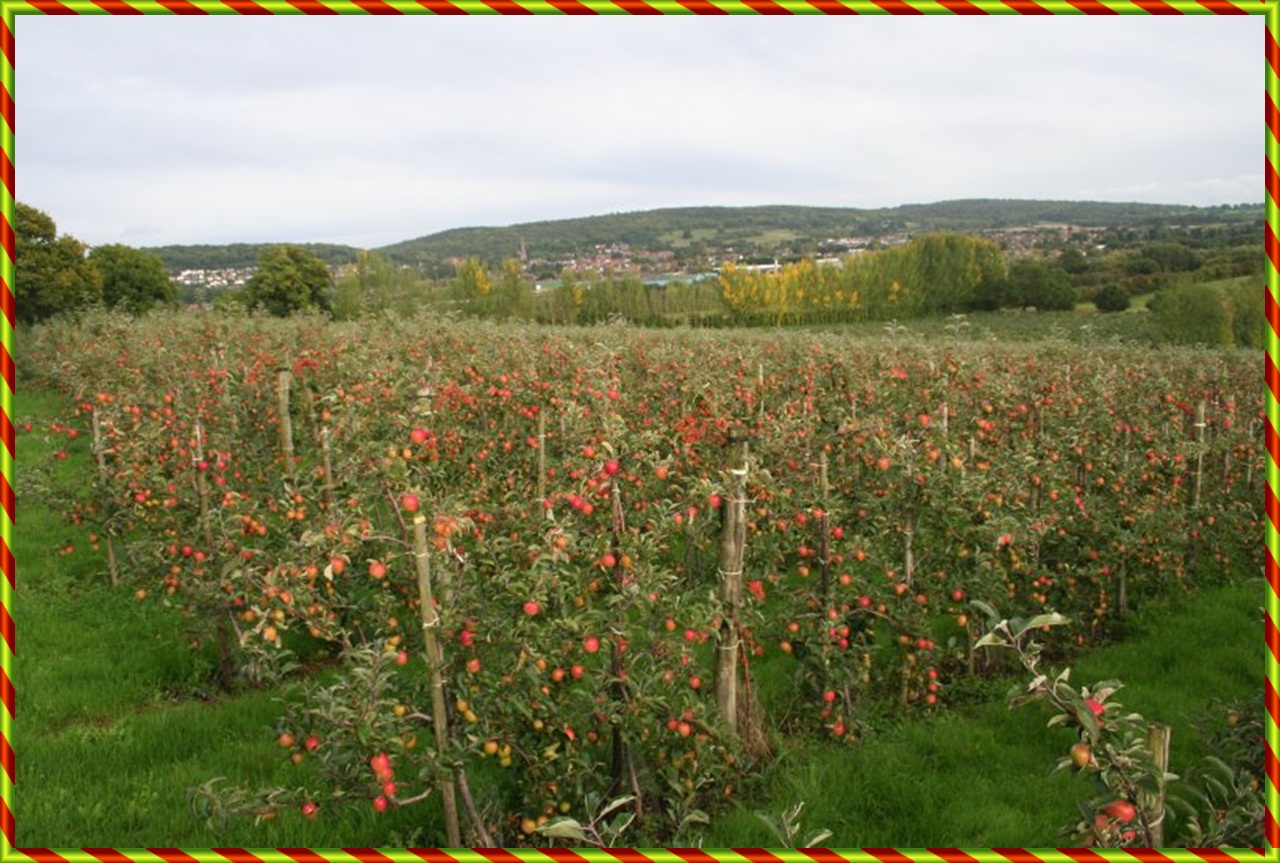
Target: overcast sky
(372, 130)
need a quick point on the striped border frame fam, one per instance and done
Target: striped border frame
(10, 8)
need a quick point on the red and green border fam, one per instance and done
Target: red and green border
(1269, 8)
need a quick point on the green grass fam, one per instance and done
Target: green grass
(978, 776)
(109, 737)
(109, 734)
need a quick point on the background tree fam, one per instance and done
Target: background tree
(1248, 319)
(289, 279)
(1111, 298)
(132, 280)
(1073, 261)
(1193, 315)
(512, 295)
(473, 286)
(53, 276)
(1042, 284)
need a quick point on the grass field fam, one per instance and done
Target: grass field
(117, 721)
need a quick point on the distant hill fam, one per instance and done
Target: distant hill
(237, 255)
(721, 226)
(685, 229)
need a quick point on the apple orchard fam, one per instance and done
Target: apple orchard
(550, 564)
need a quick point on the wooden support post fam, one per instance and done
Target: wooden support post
(325, 438)
(908, 550)
(202, 489)
(224, 379)
(1158, 744)
(1199, 435)
(283, 380)
(542, 467)
(104, 476)
(435, 670)
(824, 526)
(732, 545)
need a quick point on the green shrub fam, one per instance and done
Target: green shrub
(1112, 298)
(1193, 314)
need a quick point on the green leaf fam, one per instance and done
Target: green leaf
(614, 805)
(991, 639)
(1040, 620)
(986, 609)
(815, 839)
(563, 828)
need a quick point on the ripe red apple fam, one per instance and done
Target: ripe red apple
(418, 435)
(380, 803)
(531, 608)
(1121, 810)
(377, 569)
(402, 658)
(309, 810)
(611, 467)
(409, 503)
(591, 644)
(312, 743)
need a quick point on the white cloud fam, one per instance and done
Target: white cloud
(289, 128)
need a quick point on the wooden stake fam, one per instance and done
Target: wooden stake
(328, 469)
(542, 466)
(202, 488)
(824, 526)
(227, 405)
(104, 475)
(435, 667)
(909, 557)
(283, 380)
(732, 545)
(1158, 744)
(1199, 430)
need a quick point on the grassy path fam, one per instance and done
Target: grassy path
(110, 736)
(979, 776)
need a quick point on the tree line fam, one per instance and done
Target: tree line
(930, 276)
